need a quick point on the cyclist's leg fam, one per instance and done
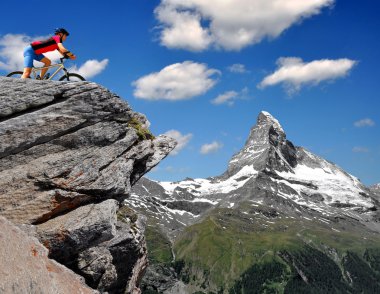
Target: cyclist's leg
(26, 74)
(28, 62)
(47, 62)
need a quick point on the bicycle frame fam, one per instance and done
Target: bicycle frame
(60, 66)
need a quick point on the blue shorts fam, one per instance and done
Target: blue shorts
(30, 55)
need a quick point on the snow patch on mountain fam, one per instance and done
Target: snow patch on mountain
(334, 185)
(272, 119)
(204, 200)
(161, 212)
(201, 187)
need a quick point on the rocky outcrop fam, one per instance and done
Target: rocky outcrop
(69, 154)
(26, 268)
(120, 262)
(160, 278)
(67, 235)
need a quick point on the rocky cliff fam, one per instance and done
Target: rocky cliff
(69, 154)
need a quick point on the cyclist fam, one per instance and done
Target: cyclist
(35, 49)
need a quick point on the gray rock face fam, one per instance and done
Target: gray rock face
(120, 262)
(69, 153)
(266, 147)
(26, 268)
(160, 278)
(67, 235)
(64, 144)
(376, 190)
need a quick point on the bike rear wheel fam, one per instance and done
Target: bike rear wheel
(15, 74)
(72, 77)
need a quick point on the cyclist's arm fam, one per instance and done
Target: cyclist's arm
(63, 50)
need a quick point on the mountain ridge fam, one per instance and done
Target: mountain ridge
(270, 186)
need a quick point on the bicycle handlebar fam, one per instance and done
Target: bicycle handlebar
(63, 58)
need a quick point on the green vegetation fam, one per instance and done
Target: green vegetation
(179, 266)
(372, 256)
(227, 244)
(262, 278)
(314, 272)
(127, 214)
(311, 271)
(143, 133)
(364, 279)
(268, 253)
(159, 247)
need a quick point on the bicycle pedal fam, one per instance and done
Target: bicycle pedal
(38, 77)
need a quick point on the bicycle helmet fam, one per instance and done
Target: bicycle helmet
(61, 30)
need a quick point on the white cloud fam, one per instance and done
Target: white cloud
(293, 73)
(237, 68)
(230, 24)
(11, 55)
(360, 149)
(178, 81)
(54, 56)
(227, 98)
(365, 122)
(230, 97)
(182, 140)
(196, 38)
(90, 68)
(211, 148)
(11, 51)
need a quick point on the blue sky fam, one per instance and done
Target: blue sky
(203, 70)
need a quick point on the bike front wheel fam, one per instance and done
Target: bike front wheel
(15, 74)
(72, 77)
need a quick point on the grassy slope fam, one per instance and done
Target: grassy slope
(159, 247)
(225, 246)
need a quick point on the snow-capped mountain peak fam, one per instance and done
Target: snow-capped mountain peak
(266, 147)
(271, 188)
(269, 170)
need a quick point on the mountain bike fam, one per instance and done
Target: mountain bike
(67, 76)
